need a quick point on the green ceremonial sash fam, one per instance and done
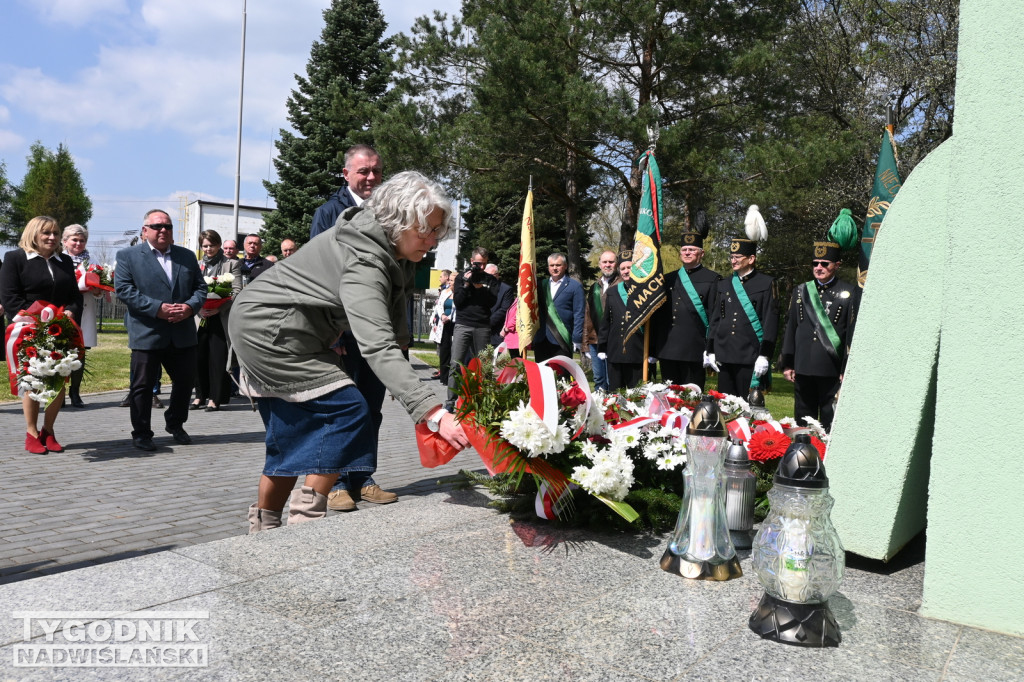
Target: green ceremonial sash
(598, 305)
(833, 346)
(555, 322)
(748, 308)
(684, 277)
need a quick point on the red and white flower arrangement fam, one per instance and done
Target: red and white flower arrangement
(94, 278)
(47, 347)
(218, 290)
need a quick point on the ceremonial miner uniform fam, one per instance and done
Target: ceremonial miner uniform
(625, 362)
(817, 337)
(734, 340)
(680, 329)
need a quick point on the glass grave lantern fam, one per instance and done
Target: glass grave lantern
(740, 494)
(700, 547)
(797, 554)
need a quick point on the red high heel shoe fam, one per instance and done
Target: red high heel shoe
(34, 445)
(49, 442)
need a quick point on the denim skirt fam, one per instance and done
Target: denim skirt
(324, 435)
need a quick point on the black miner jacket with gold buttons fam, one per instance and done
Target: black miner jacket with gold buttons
(802, 347)
(732, 338)
(679, 332)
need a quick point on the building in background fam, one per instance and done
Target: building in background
(213, 215)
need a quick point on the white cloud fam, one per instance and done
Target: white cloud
(11, 142)
(5, 114)
(77, 12)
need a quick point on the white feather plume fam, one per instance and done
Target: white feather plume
(755, 227)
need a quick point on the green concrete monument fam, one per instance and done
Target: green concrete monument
(926, 430)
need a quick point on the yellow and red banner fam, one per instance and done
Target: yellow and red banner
(527, 312)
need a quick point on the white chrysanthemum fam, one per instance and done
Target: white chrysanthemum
(671, 461)
(733, 404)
(817, 428)
(525, 431)
(788, 423)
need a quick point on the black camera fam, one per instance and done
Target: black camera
(477, 274)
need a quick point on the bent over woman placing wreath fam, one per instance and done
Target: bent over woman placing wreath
(284, 327)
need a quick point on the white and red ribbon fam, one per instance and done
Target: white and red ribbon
(547, 506)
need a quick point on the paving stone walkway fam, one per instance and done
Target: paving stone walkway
(102, 499)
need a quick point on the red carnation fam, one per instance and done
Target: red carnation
(56, 355)
(30, 351)
(574, 397)
(767, 445)
(716, 394)
(54, 329)
(819, 446)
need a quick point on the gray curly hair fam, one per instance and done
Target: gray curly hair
(406, 200)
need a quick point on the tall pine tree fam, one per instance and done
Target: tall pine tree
(344, 89)
(53, 187)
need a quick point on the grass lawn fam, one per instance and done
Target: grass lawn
(106, 369)
(106, 365)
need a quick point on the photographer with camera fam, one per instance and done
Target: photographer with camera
(475, 292)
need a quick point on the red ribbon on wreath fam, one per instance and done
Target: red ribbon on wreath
(24, 326)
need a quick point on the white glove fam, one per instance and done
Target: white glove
(709, 361)
(761, 366)
(602, 356)
(651, 359)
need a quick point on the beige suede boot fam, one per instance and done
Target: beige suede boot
(262, 519)
(306, 504)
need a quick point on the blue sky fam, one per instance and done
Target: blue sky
(145, 93)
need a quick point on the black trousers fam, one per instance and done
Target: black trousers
(682, 372)
(444, 351)
(180, 364)
(212, 379)
(624, 374)
(813, 396)
(545, 350)
(735, 379)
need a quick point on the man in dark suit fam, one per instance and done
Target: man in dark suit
(560, 333)
(505, 298)
(681, 328)
(593, 318)
(163, 289)
(363, 172)
(744, 322)
(818, 334)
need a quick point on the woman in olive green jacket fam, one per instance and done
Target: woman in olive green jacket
(284, 327)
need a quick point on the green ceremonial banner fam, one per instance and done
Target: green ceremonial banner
(645, 290)
(887, 184)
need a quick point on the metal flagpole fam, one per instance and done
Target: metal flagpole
(238, 154)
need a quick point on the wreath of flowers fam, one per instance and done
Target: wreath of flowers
(48, 347)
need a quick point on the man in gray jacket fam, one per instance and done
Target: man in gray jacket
(163, 289)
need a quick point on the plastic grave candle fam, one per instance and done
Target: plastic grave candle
(740, 494)
(797, 554)
(700, 547)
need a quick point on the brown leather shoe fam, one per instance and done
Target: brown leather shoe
(340, 500)
(373, 493)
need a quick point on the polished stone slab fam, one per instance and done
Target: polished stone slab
(440, 587)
